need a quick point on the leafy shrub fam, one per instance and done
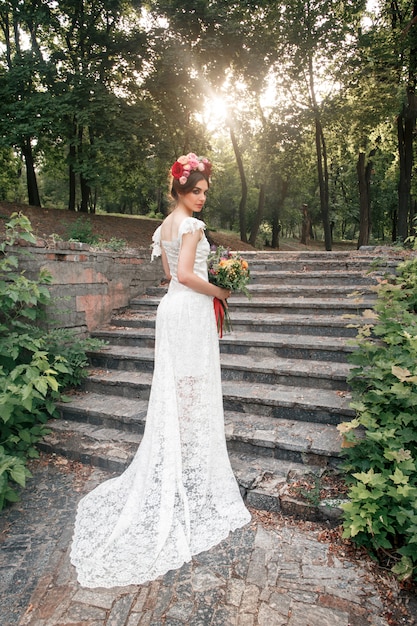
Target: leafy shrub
(62, 343)
(34, 364)
(81, 230)
(381, 456)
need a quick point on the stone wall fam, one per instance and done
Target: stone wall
(88, 285)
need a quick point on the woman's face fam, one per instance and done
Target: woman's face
(194, 200)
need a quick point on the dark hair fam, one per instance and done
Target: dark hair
(177, 189)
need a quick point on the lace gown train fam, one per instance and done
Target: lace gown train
(179, 496)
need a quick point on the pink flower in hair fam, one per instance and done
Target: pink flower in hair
(182, 180)
(183, 159)
(193, 160)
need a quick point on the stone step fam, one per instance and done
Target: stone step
(353, 278)
(258, 290)
(322, 325)
(256, 345)
(317, 262)
(285, 371)
(307, 443)
(262, 480)
(260, 345)
(369, 256)
(325, 406)
(296, 290)
(254, 368)
(289, 306)
(322, 265)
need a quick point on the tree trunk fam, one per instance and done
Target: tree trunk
(405, 129)
(276, 229)
(321, 155)
(406, 124)
(244, 185)
(323, 178)
(305, 225)
(364, 180)
(393, 225)
(85, 194)
(32, 183)
(84, 186)
(259, 215)
(71, 181)
(72, 157)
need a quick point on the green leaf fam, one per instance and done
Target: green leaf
(18, 474)
(41, 385)
(398, 477)
(404, 569)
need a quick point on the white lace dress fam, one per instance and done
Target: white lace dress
(179, 496)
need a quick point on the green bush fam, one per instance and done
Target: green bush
(81, 230)
(381, 452)
(35, 365)
(62, 343)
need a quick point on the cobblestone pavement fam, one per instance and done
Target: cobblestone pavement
(259, 576)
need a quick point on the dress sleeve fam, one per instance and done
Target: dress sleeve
(156, 243)
(190, 225)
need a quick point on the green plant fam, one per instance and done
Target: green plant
(81, 230)
(381, 452)
(64, 343)
(34, 365)
(309, 489)
(114, 244)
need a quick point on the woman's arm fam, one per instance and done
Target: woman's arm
(185, 272)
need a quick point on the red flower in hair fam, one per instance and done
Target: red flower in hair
(177, 170)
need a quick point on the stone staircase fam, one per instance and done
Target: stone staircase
(284, 370)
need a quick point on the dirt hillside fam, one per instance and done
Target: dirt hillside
(136, 231)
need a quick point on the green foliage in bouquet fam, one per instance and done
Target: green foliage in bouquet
(228, 270)
(33, 370)
(381, 442)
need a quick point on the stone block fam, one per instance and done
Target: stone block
(82, 614)
(260, 500)
(120, 611)
(309, 615)
(250, 600)
(234, 591)
(268, 616)
(245, 619)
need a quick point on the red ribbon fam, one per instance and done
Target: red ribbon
(219, 312)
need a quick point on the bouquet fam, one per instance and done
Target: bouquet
(228, 270)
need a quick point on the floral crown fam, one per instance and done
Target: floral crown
(186, 164)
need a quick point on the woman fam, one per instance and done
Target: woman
(179, 496)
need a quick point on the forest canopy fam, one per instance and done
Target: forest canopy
(306, 108)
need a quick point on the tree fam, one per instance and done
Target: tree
(315, 40)
(23, 104)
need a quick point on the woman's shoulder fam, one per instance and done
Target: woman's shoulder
(190, 225)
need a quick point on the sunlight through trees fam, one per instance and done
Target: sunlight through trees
(307, 109)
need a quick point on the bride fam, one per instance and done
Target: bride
(179, 496)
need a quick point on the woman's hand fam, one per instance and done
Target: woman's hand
(223, 294)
